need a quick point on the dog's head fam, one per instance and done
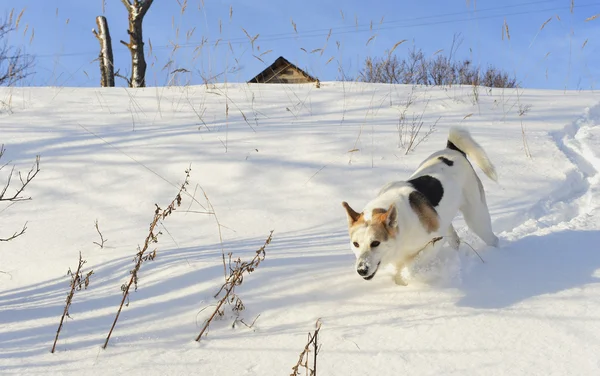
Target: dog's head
(374, 235)
(370, 235)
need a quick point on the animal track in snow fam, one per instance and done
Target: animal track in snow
(577, 198)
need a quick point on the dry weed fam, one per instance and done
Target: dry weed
(235, 278)
(142, 254)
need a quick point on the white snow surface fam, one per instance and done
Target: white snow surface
(282, 158)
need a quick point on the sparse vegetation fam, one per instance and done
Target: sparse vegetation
(439, 69)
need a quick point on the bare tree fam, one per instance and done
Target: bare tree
(137, 9)
(15, 64)
(107, 72)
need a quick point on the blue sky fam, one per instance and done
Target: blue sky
(551, 58)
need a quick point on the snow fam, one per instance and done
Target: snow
(282, 158)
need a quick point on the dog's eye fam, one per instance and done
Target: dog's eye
(375, 244)
(356, 244)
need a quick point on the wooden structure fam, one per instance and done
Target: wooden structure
(283, 72)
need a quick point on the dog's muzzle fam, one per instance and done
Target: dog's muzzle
(364, 271)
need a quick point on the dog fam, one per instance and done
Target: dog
(410, 216)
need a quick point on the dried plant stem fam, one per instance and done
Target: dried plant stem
(436, 239)
(473, 249)
(303, 359)
(524, 138)
(102, 240)
(77, 281)
(214, 214)
(216, 311)
(235, 278)
(316, 348)
(522, 111)
(141, 256)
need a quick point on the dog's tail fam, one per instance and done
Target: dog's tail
(460, 140)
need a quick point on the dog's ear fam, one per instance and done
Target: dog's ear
(392, 217)
(352, 215)
(426, 213)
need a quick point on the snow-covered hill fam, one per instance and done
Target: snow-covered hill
(282, 158)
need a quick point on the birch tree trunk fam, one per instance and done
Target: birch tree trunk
(107, 71)
(137, 10)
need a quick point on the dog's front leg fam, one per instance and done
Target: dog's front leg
(453, 239)
(398, 278)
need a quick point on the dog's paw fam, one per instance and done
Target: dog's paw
(494, 242)
(454, 243)
(399, 279)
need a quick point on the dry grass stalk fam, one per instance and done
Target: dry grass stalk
(473, 249)
(303, 359)
(545, 23)
(408, 134)
(235, 278)
(219, 226)
(460, 241)
(142, 255)
(505, 30)
(592, 17)
(78, 281)
(415, 129)
(396, 45)
(523, 110)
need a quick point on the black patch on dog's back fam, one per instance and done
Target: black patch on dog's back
(450, 145)
(429, 187)
(446, 161)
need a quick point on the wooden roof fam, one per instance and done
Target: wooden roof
(282, 71)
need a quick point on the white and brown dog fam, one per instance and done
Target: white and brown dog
(409, 216)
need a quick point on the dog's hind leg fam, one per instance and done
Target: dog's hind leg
(477, 217)
(453, 239)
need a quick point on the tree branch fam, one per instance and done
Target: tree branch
(15, 65)
(118, 74)
(127, 4)
(145, 6)
(15, 235)
(30, 175)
